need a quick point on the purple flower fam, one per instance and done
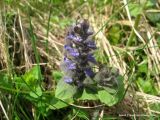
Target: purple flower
(91, 44)
(67, 47)
(91, 58)
(89, 72)
(69, 64)
(72, 51)
(68, 79)
(74, 38)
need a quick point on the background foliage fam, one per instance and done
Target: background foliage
(127, 34)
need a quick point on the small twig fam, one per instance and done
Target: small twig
(84, 107)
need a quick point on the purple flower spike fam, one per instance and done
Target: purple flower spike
(68, 79)
(78, 47)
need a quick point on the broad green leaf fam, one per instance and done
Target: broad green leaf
(135, 9)
(34, 95)
(106, 97)
(31, 77)
(150, 3)
(89, 94)
(154, 18)
(37, 93)
(109, 99)
(57, 75)
(147, 86)
(55, 103)
(110, 90)
(65, 91)
(20, 83)
(28, 81)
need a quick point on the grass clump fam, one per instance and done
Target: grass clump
(31, 48)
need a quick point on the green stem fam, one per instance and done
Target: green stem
(33, 41)
(48, 24)
(137, 20)
(132, 35)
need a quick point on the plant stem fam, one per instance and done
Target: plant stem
(48, 24)
(33, 41)
(132, 35)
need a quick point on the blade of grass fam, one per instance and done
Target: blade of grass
(33, 41)
(48, 26)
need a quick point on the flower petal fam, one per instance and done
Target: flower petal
(74, 38)
(68, 80)
(91, 44)
(91, 58)
(69, 64)
(89, 72)
(72, 51)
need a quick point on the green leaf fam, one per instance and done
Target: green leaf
(154, 18)
(121, 88)
(5, 81)
(135, 9)
(57, 75)
(65, 91)
(81, 113)
(106, 98)
(37, 93)
(28, 81)
(143, 68)
(55, 103)
(89, 94)
(31, 77)
(20, 83)
(109, 98)
(150, 3)
(34, 95)
(110, 90)
(115, 34)
(147, 86)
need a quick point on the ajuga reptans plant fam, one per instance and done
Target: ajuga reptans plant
(78, 58)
